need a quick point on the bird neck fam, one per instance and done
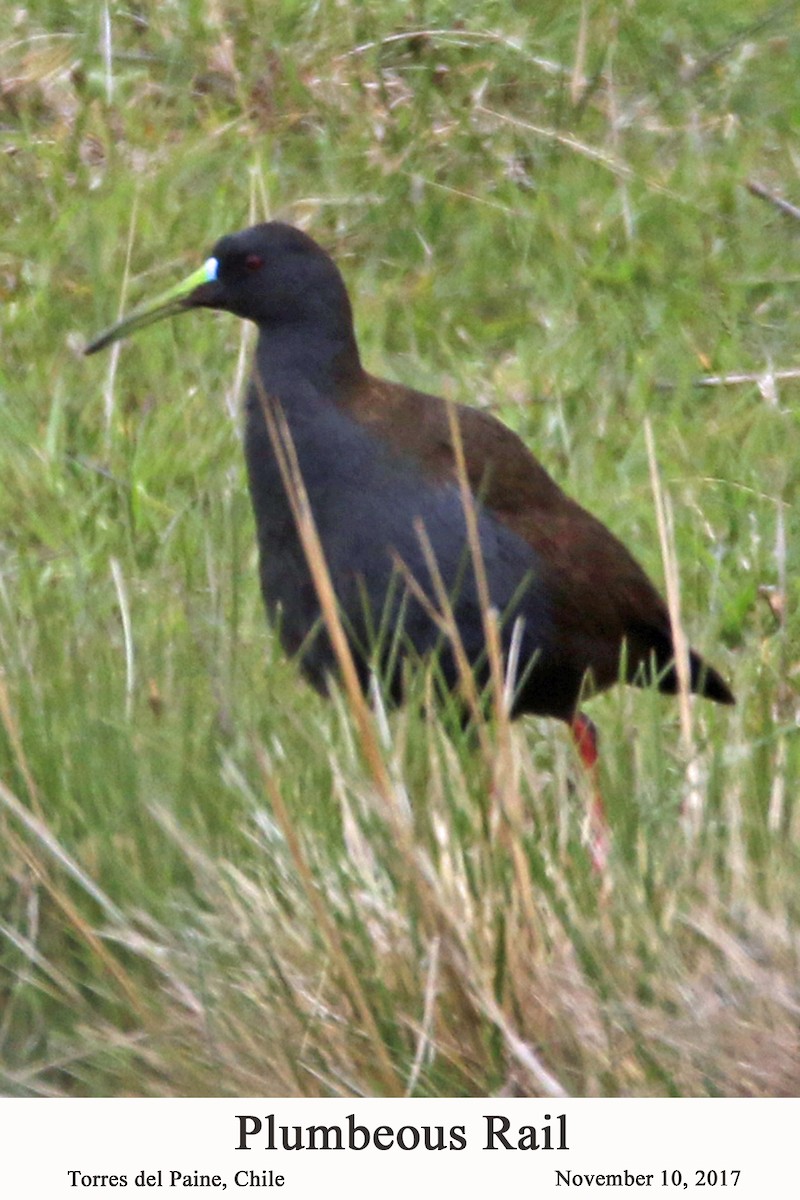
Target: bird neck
(327, 359)
(308, 371)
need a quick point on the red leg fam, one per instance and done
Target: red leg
(584, 735)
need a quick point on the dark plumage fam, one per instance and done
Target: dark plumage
(377, 457)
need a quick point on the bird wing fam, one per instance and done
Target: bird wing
(600, 594)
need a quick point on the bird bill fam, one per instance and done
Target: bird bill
(165, 305)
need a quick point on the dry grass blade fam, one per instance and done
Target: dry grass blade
(11, 727)
(489, 618)
(43, 835)
(544, 1080)
(425, 1033)
(127, 633)
(446, 620)
(392, 1083)
(34, 957)
(672, 581)
(460, 37)
(87, 934)
(463, 194)
(109, 389)
(603, 158)
(764, 193)
(577, 80)
(693, 802)
(734, 378)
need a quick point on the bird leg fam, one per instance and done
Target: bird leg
(584, 734)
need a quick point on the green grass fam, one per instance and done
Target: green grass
(206, 888)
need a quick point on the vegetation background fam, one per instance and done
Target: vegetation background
(214, 882)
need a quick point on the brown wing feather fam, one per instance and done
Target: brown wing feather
(602, 597)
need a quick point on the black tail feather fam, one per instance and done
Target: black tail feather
(708, 682)
(704, 680)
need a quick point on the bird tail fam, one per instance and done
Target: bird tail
(703, 679)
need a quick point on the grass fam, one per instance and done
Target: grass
(208, 886)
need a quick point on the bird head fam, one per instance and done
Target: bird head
(272, 274)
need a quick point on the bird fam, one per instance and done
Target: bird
(386, 468)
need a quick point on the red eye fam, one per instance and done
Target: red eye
(253, 262)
